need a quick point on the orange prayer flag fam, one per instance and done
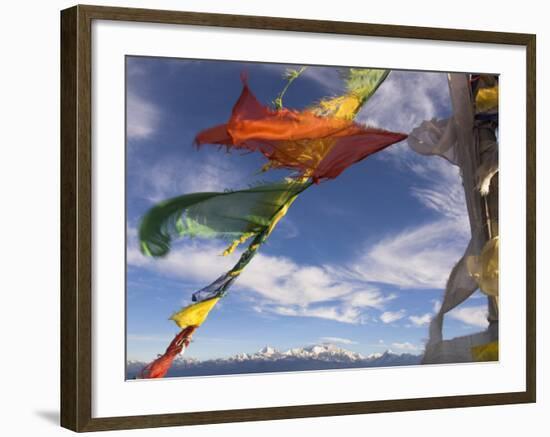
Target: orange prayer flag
(320, 147)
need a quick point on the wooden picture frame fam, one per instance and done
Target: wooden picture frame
(76, 217)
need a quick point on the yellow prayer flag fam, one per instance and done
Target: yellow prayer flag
(484, 268)
(487, 99)
(194, 314)
(486, 352)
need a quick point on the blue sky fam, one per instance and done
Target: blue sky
(360, 261)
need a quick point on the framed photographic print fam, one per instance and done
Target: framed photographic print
(267, 218)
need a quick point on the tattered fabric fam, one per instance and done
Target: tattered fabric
(159, 367)
(316, 146)
(485, 267)
(485, 352)
(456, 140)
(228, 215)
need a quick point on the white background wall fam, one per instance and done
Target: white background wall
(29, 215)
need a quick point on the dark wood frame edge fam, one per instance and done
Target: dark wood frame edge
(76, 224)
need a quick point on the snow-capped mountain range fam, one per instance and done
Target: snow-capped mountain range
(324, 352)
(268, 359)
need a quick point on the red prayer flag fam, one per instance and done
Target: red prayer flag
(159, 367)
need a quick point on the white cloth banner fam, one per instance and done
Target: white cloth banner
(457, 140)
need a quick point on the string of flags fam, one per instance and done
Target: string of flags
(316, 144)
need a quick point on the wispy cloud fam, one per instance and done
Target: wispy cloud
(392, 316)
(420, 257)
(338, 340)
(337, 313)
(143, 113)
(405, 100)
(470, 315)
(291, 289)
(368, 298)
(406, 347)
(440, 189)
(473, 316)
(422, 320)
(193, 261)
(173, 177)
(142, 117)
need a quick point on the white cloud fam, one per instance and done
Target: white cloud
(421, 320)
(420, 257)
(174, 177)
(406, 346)
(474, 316)
(337, 313)
(277, 285)
(290, 289)
(368, 299)
(192, 261)
(281, 280)
(392, 316)
(441, 189)
(142, 117)
(339, 340)
(405, 99)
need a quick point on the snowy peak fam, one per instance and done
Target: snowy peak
(325, 352)
(374, 355)
(267, 351)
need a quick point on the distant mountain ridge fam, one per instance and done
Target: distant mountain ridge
(268, 359)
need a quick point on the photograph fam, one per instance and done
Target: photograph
(299, 218)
